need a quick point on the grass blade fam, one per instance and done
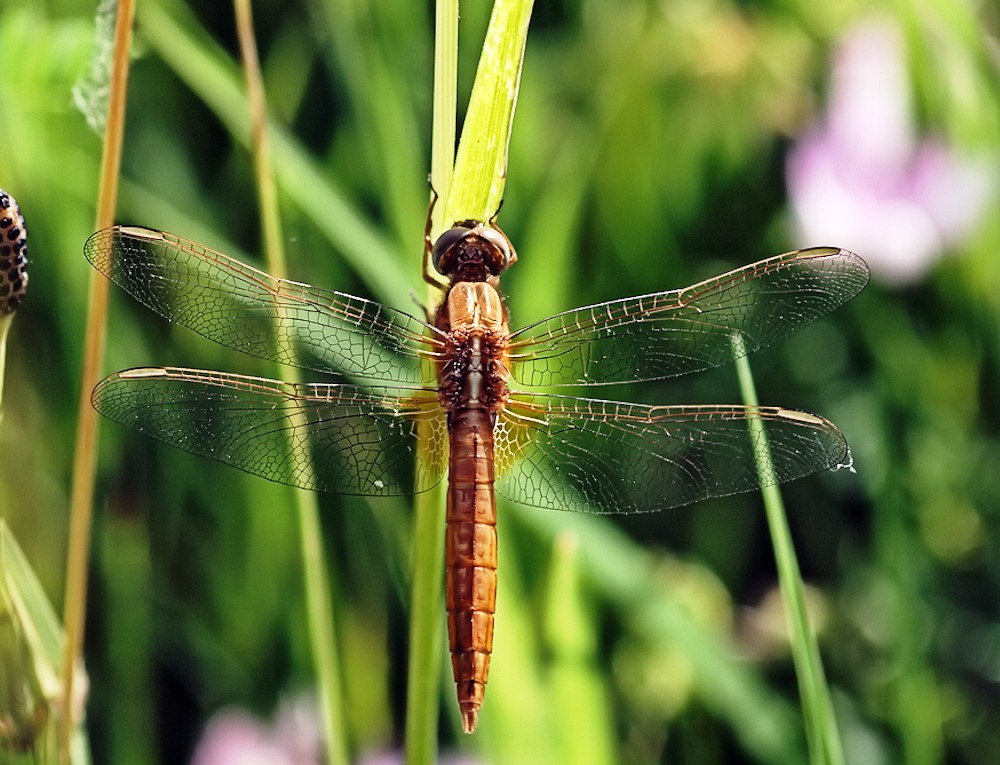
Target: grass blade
(481, 162)
(825, 747)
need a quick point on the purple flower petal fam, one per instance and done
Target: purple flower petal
(862, 178)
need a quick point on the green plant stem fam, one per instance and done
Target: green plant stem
(426, 601)
(475, 193)
(85, 450)
(426, 607)
(443, 125)
(820, 723)
(445, 100)
(5, 321)
(318, 603)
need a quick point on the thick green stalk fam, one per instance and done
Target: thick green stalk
(474, 191)
(426, 601)
(481, 162)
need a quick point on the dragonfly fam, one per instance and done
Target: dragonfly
(458, 394)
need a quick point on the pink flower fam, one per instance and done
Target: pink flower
(235, 737)
(862, 178)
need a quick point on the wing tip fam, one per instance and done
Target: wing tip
(847, 255)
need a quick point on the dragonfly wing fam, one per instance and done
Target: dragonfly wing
(610, 457)
(243, 308)
(666, 334)
(340, 439)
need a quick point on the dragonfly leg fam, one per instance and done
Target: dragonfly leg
(431, 276)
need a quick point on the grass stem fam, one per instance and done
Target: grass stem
(322, 634)
(85, 450)
(426, 601)
(822, 736)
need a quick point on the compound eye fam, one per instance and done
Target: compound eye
(501, 245)
(443, 246)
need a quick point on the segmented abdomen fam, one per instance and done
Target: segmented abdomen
(471, 556)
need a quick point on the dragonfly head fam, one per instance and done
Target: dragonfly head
(471, 251)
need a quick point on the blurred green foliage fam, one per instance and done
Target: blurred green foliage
(647, 153)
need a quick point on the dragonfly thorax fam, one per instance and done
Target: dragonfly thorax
(473, 371)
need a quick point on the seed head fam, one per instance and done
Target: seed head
(13, 254)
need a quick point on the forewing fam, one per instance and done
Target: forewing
(243, 308)
(666, 334)
(340, 439)
(609, 457)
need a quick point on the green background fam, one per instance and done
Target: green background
(648, 153)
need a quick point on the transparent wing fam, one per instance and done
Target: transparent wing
(335, 438)
(672, 333)
(610, 457)
(258, 314)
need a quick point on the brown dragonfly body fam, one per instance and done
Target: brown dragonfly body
(473, 389)
(461, 393)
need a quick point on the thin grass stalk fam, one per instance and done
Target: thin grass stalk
(423, 682)
(85, 452)
(5, 322)
(322, 634)
(822, 736)
(445, 102)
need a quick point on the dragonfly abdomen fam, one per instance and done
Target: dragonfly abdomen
(471, 557)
